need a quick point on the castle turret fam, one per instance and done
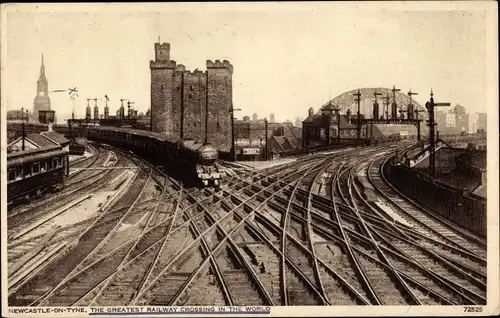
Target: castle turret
(162, 70)
(162, 51)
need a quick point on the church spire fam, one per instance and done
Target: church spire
(42, 69)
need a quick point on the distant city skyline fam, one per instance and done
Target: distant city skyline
(285, 61)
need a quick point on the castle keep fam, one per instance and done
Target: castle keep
(191, 105)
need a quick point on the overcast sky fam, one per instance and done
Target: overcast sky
(286, 58)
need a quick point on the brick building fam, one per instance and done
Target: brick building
(250, 138)
(317, 129)
(191, 105)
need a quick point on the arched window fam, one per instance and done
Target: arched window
(218, 127)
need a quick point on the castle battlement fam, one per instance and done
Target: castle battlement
(220, 65)
(163, 65)
(180, 68)
(196, 72)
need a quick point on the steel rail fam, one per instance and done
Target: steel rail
(409, 292)
(151, 216)
(231, 213)
(62, 251)
(49, 293)
(419, 245)
(237, 252)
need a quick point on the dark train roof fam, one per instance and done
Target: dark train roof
(192, 144)
(12, 161)
(145, 133)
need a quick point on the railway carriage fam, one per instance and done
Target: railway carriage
(188, 160)
(32, 172)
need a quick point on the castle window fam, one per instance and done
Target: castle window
(194, 125)
(178, 88)
(190, 95)
(218, 127)
(191, 87)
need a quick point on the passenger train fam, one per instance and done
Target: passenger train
(33, 172)
(193, 162)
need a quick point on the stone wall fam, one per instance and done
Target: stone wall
(219, 103)
(191, 104)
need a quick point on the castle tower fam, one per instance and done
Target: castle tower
(42, 100)
(219, 104)
(162, 70)
(194, 105)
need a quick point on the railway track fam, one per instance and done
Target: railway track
(457, 267)
(317, 231)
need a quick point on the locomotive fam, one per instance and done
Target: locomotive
(193, 162)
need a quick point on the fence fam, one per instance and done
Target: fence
(458, 206)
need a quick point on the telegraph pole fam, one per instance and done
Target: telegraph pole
(358, 101)
(394, 110)
(337, 115)
(386, 108)
(432, 142)
(233, 143)
(73, 93)
(267, 149)
(376, 114)
(410, 107)
(23, 131)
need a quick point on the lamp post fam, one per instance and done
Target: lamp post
(23, 129)
(73, 93)
(394, 110)
(233, 146)
(265, 127)
(358, 124)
